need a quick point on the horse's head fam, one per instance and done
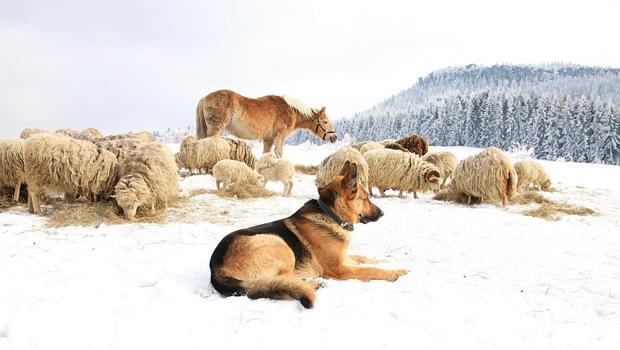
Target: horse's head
(324, 128)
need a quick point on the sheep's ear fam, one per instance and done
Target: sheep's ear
(433, 176)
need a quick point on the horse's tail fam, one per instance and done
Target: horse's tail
(201, 123)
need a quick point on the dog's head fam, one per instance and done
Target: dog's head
(348, 198)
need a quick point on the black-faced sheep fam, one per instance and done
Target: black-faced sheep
(26, 133)
(415, 144)
(12, 165)
(401, 171)
(330, 167)
(486, 176)
(274, 169)
(531, 172)
(444, 161)
(228, 172)
(59, 163)
(147, 179)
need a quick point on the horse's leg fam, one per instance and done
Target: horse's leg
(267, 143)
(279, 145)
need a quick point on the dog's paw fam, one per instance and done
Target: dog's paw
(315, 284)
(395, 274)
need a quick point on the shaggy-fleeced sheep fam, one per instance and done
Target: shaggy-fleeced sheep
(415, 144)
(147, 180)
(121, 148)
(401, 171)
(90, 134)
(444, 161)
(358, 146)
(274, 169)
(396, 146)
(63, 164)
(531, 172)
(486, 176)
(144, 136)
(12, 165)
(369, 146)
(228, 172)
(68, 132)
(330, 167)
(205, 153)
(26, 133)
(387, 141)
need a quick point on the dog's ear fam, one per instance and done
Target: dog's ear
(350, 178)
(432, 176)
(346, 168)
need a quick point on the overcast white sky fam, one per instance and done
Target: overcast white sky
(131, 65)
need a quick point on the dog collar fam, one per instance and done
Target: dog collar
(327, 210)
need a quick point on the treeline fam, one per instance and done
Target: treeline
(553, 126)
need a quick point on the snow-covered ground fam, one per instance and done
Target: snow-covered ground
(481, 277)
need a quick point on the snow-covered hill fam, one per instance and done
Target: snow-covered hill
(481, 277)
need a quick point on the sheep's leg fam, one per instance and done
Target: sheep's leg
(36, 206)
(217, 184)
(415, 194)
(16, 194)
(30, 208)
(468, 199)
(400, 194)
(267, 144)
(382, 191)
(290, 188)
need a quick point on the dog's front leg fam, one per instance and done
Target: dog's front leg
(362, 273)
(360, 259)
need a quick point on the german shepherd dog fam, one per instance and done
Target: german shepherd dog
(275, 260)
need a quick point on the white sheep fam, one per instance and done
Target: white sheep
(531, 172)
(330, 167)
(121, 148)
(444, 161)
(371, 145)
(486, 176)
(205, 153)
(26, 133)
(12, 165)
(58, 163)
(147, 180)
(228, 172)
(274, 169)
(401, 171)
(90, 134)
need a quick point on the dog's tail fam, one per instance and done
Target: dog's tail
(277, 287)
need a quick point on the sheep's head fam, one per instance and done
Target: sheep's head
(260, 179)
(187, 141)
(266, 161)
(130, 192)
(180, 159)
(432, 178)
(546, 185)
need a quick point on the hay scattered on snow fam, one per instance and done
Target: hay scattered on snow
(307, 169)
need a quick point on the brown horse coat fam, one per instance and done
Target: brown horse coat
(269, 118)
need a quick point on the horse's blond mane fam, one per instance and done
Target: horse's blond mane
(303, 109)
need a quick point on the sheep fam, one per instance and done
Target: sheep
(402, 171)
(144, 136)
(274, 169)
(531, 172)
(358, 146)
(90, 134)
(445, 161)
(147, 180)
(26, 133)
(415, 144)
(54, 162)
(387, 141)
(330, 167)
(121, 148)
(369, 146)
(396, 146)
(68, 132)
(205, 153)
(228, 172)
(12, 165)
(486, 176)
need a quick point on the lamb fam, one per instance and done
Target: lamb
(415, 144)
(369, 146)
(330, 167)
(274, 169)
(12, 165)
(59, 163)
(205, 153)
(147, 180)
(531, 172)
(121, 148)
(486, 176)
(68, 132)
(444, 161)
(90, 134)
(26, 133)
(402, 171)
(229, 172)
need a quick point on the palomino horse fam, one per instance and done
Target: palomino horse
(269, 118)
